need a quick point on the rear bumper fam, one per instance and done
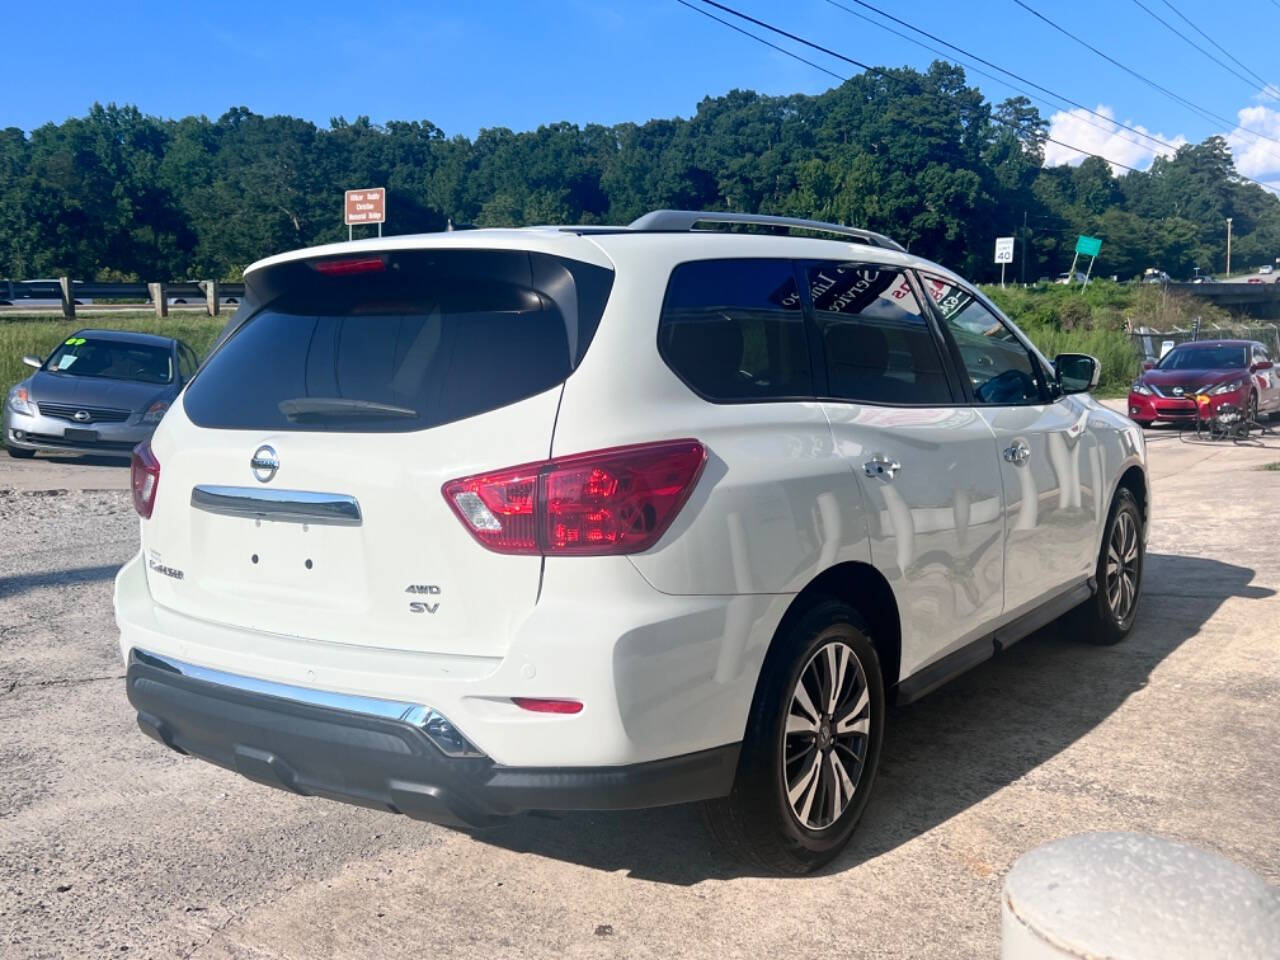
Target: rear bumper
(382, 754)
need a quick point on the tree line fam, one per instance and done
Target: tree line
(921, 156)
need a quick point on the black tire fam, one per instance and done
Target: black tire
(1253, 408)
(1098, 620)
(1145, 424)
(756, 822)
(19, 454)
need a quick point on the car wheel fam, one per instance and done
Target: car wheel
(19, 454)
(811, 747)
(1253, 408)
(1109, 615)
(1145, 424)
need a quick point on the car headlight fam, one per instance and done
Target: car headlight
(20, 401)
(1140, 388)
(155, 412)
(1231, 387)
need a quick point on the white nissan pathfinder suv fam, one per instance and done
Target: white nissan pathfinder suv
(585, 518)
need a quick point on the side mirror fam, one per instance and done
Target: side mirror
(31, 361)
(1262, 365)
(1077, 372)
(1148, 364)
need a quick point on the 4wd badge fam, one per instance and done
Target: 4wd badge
(423, 589)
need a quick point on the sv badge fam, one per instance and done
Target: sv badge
(423, 589)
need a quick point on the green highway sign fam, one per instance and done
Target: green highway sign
(1089, 246)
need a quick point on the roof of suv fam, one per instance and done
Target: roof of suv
(588, 242)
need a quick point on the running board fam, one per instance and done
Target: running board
(960, 661)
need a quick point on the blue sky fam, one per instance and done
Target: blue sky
(465, 66)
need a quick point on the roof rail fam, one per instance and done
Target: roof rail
(682, 221)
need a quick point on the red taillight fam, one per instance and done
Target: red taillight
(144, 479)
(349, 265)
(612, 501)
(543, 705)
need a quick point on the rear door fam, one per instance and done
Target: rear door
(1050, 462)
(301, 474)
(926, 462)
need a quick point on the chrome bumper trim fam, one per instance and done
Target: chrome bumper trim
(438, 728)
(288, 506)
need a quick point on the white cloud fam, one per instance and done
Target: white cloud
(1104, 137)
(1255, 157)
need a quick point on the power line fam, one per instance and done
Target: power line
(1031, 83)
(1252, 85)
(876, 71)
(1195, 108)
(1110, 129)
(745, 33)
(1274, 90)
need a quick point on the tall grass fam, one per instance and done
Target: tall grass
(1113, 348)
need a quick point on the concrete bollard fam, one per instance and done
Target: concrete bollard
(159, 293)
(67, 291)
(1127, 896)
(210, 296)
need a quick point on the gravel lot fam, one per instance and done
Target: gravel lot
(112, 846)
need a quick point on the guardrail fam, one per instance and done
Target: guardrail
(212, 293)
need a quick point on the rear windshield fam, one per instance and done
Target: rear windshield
(112, 360)
(422, 339)
(1206, 358)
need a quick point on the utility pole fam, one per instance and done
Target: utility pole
(1024, 247)
(1228, 246)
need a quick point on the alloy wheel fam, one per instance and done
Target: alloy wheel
(827, 735)
(1122, 566)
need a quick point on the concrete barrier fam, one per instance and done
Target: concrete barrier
(1126, 896)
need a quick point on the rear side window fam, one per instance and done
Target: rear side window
(733, 330)
(877, 343)
(426, 338)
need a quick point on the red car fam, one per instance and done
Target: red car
(1238, 372)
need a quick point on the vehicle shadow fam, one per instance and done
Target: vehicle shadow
(941, 755)
(84, 459)
(22, 582)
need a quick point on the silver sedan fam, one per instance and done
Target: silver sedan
(100, 391)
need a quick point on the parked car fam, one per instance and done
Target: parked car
(100, 391)
(10, 294)
(1238, 372)
(484, 522)
(1266, 268)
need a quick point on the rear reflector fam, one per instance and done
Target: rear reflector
(349, 265)
(615, 501)
(144, 479)
(541, 705)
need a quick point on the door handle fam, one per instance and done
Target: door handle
(881, 467)
(1017, 454)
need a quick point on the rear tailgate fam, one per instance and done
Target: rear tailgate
(300, 484)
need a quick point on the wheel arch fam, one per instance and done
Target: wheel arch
(864, 588)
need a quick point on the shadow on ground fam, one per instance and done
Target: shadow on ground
(83, 460)
(941, 755)
(22, 582)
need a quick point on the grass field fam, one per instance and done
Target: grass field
(21, 335)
